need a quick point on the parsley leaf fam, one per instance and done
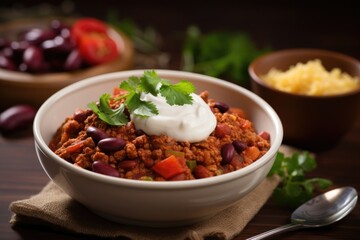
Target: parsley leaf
(106, 113)
(295, 188)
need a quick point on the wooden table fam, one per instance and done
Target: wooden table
(22, 176)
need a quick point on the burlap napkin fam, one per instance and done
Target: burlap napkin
(55, 208)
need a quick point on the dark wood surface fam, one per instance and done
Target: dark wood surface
(281, 25)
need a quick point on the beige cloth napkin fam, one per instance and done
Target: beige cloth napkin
(55, 208)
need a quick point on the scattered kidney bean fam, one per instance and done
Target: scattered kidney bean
(96, 134)
(227, 152)
(223, 107)
(105, 169)
(239, 146)
(237, 161)
(111, 144)
(17, 117)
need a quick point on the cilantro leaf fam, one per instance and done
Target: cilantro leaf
(139, 107)
(131, 84)
(220, 54)
(106, 113)
(295, 188)
(178, 94)
(151, 83)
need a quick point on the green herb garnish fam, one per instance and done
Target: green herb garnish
(150, 82)
(220, 54)
(295, 189)
(106, 113)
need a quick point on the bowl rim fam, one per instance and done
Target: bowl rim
(124, 46)
(130, 183)
(303, 51)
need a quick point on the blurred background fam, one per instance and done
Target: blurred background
(331, 25)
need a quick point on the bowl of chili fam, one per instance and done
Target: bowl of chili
(163, 201)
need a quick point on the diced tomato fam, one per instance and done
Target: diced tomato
(87, 25)
(169, 167)
(97, 48)
(251, 154)
(74, 148)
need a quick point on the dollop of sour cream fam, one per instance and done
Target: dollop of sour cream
(190, 122)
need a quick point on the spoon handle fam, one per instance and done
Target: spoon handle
(285, 228)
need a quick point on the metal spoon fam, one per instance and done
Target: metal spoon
(320, 211)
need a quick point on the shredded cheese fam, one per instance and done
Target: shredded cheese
(311, 78)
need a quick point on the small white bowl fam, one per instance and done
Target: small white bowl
(156, 204)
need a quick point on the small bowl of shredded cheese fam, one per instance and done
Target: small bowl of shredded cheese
(315, 92)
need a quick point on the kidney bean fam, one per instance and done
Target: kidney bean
(127, 164)
(7, 63)
(223, 107)
(265, 135)
(96, 134)
(37, 35)
(17, 117)
(221, 130)
(178, 177)
(201, 172)
(73, 61)
(80, 115)
(33, 58)
(58, 46)
(19, 46)
(105, 169)
(239, 146)
(227, 152)
(111, 144)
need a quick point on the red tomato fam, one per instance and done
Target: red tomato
(87, 25)
(169, 167)
(97, 48)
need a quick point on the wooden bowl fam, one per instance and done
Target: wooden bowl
(309, 122)
(19, 87)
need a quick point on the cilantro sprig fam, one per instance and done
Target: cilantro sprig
(150, 82)
(295, 188)
(224, 54)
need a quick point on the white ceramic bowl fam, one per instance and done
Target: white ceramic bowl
(159, 204)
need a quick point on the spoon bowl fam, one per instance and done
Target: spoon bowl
(319, 211)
